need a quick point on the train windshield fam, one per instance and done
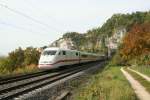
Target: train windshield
(52, 52)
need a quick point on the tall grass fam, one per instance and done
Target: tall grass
(26, 69)
(143, 69)
(108, 85)
(140, 79)
(19, 70)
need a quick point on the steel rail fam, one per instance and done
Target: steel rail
(47, 81)
(14, 91)
(21, 77)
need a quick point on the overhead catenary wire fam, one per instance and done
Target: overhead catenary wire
(43, 12)
(19, 27)
(30, 18)
(60, 23)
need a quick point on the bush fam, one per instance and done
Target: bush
(31, 56)
(16, 58)
(19, 59)
(6, 65)
(118, 60)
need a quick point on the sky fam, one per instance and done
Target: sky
(38, 23)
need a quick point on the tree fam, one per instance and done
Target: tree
(92, 36)
(31, 56)
(16, 58)
(6, 65)
(137, 42)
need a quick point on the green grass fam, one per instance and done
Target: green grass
(143, 69)
(107, 85)
(140, 79)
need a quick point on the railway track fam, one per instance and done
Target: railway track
(11, 87)
(6, 80)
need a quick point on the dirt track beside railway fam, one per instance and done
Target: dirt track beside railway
(138, 88)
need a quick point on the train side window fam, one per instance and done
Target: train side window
(59, 53)
(76, 54)
(64, 52)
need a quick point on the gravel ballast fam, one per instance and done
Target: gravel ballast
(52, 91)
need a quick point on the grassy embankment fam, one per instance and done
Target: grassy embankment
(140, 79)
(23, 70)
(143, 69)
(19, 70)
(107, 85)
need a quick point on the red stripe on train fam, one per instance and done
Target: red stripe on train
(66, 60)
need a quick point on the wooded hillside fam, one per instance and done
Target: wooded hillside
(90, 41)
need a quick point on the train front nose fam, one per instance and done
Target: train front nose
(45, 65)
(46, 62)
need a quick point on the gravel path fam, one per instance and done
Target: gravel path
(138, 88)
(144, 76)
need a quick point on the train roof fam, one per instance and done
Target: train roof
(87, 53)
(52, 48)
(57, 48)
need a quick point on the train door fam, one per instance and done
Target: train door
(71, 57)
(64, 57)
(59, 58)
(79, 57)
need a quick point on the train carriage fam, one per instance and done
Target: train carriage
(55, 57)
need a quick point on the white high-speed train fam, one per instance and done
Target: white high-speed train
(55, 57)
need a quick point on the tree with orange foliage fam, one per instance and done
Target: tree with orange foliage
(137, 41)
